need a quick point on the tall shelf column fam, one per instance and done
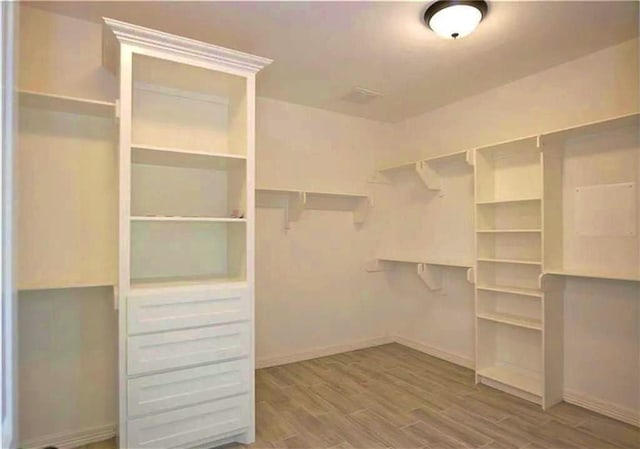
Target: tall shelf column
(186, 236)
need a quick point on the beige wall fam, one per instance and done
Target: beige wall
(602, 318)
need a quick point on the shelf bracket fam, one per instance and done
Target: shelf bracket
(362, 209)
(377, 265)
(470, 157)
(471, 275)
(296, 202)
(431, 275)
(428, 175)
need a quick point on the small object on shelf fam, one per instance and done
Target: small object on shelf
(236, 213)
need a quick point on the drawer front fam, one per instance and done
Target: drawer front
(179, 309)
(190, 426)
(180, 349)
(160, 392)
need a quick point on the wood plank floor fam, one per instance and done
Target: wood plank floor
(394, 397)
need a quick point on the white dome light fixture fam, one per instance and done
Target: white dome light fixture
(452, 19)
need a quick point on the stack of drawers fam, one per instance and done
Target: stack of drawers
(189, 371)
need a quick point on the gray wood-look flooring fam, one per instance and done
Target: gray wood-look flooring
(394, 397)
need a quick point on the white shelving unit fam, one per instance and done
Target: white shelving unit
(519, 324)
(186, 265)
(294, 202)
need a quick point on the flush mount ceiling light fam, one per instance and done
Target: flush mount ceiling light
(453, 19)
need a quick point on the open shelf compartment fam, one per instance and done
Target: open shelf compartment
(183, 106)
(591, 213)
(511, 356)
(181, 252)
(509, 172)
(167, 184)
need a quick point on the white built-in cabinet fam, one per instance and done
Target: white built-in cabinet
(185, 278)
(547, 207)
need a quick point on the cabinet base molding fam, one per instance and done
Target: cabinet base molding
(609, 409)
(322, 351)
(69, 440)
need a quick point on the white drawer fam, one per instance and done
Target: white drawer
(183, 308)
(180, 349)
(190, 426)
(159, 392)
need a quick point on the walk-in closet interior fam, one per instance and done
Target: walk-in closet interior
(327, 225)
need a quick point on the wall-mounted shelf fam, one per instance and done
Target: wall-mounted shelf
(633, 277)
(62, 103)
(295, 201)
(189, 219)
(430, 271)
(510, 261)
(508, 231)
(177, 157)
(601, 126)
(513, 320)
(426, 169)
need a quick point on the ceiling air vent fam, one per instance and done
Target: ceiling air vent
(360, 95)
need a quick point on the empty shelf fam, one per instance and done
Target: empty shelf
(176, 157)
(311, 193)
(513, 320)
(189, 219)
(513, 377)
(634, 277)
(417, 260)
(591, 128)
(510, 261)
(182, 281)
(506, 231)
(511, 290)
(459, 156)
(61, 103)
(508, 200)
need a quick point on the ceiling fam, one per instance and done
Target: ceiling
(322, 50)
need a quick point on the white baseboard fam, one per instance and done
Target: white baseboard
(436, 352)
(609, 409)
(70, 440)
(266, 362)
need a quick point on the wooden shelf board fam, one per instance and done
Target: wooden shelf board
(513, 320)
(508, 231)
(62, 103)
(509, 200)
(182, 281)
(188, 219)
(177, 157)
(511, 290)
(425, 261)
(634, 277)
(435, 159)
(312, 192)
(513, 377)
(510, 261)
(591, 128)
